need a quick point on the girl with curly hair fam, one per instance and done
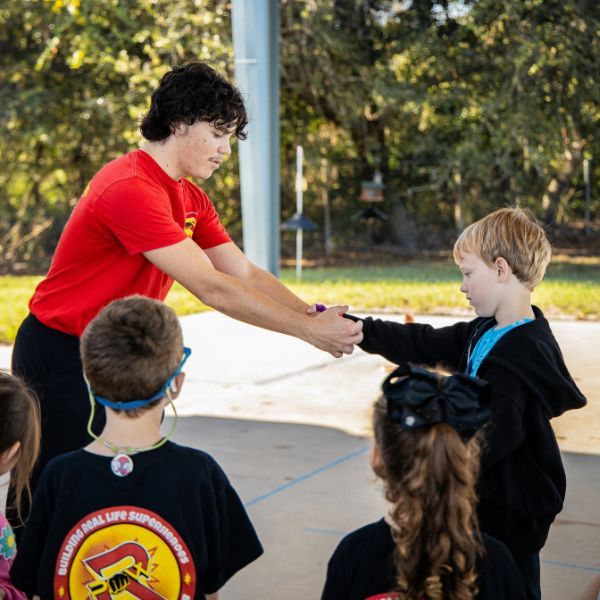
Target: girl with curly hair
(429, 546)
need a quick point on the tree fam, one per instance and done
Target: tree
(76, 80)
(463, 106)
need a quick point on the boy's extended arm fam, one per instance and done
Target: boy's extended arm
(415, 342)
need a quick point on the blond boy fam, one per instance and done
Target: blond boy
(502, 258)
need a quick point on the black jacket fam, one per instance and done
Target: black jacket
(522, 483)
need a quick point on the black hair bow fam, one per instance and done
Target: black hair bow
(417, 397)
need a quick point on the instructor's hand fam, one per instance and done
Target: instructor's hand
(334, 334)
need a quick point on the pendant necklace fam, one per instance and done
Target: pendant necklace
(122, 464)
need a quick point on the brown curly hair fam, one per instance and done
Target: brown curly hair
(430, 476)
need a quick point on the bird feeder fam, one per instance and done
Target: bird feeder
(372, 191)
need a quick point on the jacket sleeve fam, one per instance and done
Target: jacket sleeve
(416, 342)
(10, 591)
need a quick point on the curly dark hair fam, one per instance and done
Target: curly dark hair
(190, 93)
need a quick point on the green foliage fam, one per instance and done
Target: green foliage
(76, 79)
(16, 292)
(462, 105)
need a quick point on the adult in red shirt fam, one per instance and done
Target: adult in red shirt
(138, 226)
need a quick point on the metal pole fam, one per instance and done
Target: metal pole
(586, 179)
(299, 159)
(256, 48)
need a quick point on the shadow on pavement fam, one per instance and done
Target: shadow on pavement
(306, 486)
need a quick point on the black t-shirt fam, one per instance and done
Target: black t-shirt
(362, 568)
(173, 528)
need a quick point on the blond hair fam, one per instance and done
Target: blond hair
(430, 476)
(513, 234)
(130, 350)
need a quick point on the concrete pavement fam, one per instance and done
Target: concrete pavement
(306, 486)
(289, 424)
(240, 371)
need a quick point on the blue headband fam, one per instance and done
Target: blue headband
(132, 404)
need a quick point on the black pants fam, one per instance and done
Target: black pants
(49, 362)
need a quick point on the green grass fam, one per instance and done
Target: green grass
(571, 289)
(14, 298)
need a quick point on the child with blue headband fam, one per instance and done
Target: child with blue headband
(132, 511)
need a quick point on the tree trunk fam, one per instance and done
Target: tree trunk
(459, 206)
(402, 227)
(561, 182)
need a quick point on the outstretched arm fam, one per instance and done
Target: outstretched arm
(228, 258)
(415, 342)
(191, 266)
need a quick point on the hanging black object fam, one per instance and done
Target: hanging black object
(299, 221)
(371, 214)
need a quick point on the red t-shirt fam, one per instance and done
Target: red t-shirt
(130, 206)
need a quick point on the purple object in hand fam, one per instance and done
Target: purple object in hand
(320, 307)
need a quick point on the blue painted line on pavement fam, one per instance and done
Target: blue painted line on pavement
(306, 476)
(558, 563)
(331, 532)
